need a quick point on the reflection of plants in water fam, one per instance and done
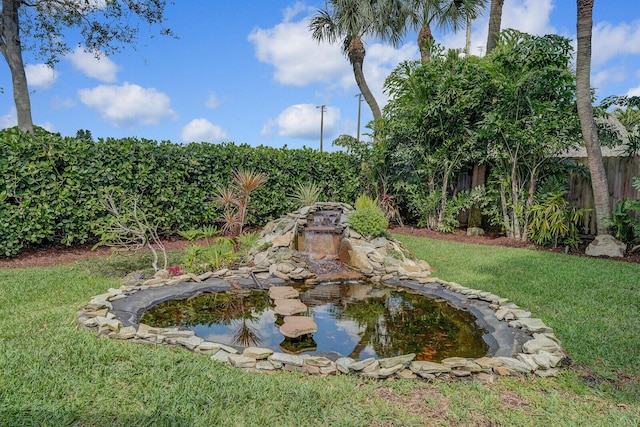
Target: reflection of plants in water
(401, 323)
(207, 309)
(245, 334)
(239, 309)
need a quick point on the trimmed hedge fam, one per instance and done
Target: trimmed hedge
(49, 185)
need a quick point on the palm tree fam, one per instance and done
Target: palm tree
(350, 21)
(599, 182)
(495, 20)
(444, 14)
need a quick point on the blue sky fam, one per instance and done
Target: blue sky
(248, 72)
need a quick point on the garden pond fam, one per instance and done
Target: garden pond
(359, 320)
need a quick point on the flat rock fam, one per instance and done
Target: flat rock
(344, 363)
(190, 342)
(286, 359)
(532, 325)
(317, 361)
(541, 343)
(264, 365)
(289, 306)
(397, 360)
(240, 361)
(295, 326)
(362, 364)
(257, 352)
(283, 292)
(425, 367)
(221, 356)
(514, 365)
(460, 363)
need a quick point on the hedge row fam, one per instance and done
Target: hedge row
(50, 185)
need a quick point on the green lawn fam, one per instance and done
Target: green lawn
(52, 373)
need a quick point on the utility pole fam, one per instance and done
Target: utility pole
(359, 105)
(322, 108)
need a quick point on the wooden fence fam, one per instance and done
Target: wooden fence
(620, 171)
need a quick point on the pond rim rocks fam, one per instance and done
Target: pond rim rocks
(518, 344)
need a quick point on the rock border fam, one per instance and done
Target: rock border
(519, 344)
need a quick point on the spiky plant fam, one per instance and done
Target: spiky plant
(306, 194)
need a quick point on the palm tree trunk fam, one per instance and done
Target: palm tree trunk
(467, 38)
(11, 49)
(599, 182)
(495, 20)
(425, 42)
(356, 57)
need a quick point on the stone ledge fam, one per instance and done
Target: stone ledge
(518, 343)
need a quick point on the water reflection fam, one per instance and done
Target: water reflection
(358, 320)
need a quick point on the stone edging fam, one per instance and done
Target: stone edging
(519, 344)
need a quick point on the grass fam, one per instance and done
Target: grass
(52, 373)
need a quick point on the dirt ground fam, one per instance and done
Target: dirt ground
(55, 255)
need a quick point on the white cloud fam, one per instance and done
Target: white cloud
(40, 75)
(529, 16)
(303, 121)
(103, 69)
(610, 40)
(290, 49)
(202, 130)
(128, 105)
(10, 119)
(212, 101)
(634, 91)
(602, 77)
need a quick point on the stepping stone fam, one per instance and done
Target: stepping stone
(289, 307)
(283, 292)
(295, 326)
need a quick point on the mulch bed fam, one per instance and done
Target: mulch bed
(56, 254)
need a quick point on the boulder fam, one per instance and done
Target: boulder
(475, 231)
(606, 245)
(296, 326)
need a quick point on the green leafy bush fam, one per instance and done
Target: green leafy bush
(369, 221)
(50, 185)
(625, 218)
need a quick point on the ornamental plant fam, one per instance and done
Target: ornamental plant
(368, 219)
(554, 221)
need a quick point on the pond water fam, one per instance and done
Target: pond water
(359, 320)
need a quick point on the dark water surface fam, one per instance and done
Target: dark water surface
(359, 320)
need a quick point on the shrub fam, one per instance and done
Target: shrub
(554, 221)
(369, 221)
(50, 185)
(364, 201)
(306, 194)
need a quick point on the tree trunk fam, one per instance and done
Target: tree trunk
(11, 49)
(425, 42)
(467, 39)
(505, 211)
(533, 185)
(585, 112)
(443, 197)
(495, 20)
(515, 200)
(356, 57)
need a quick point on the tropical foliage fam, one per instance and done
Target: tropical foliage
(513, 109)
